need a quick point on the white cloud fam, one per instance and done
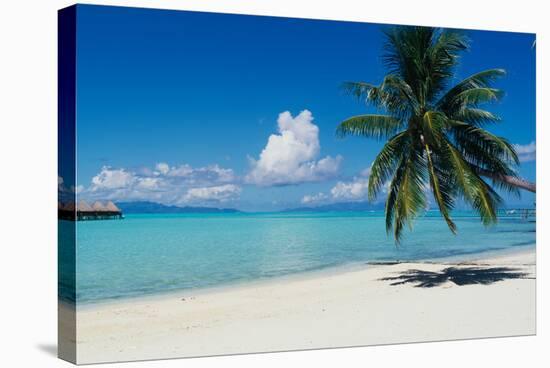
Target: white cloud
(314, 198)
(211, 172)
(218, 173)
(365, 172)
(78, 189)
(357, 189)
(148, 183)
(162, 167)
(221, 193)
(182, 170)
(290, 157)
(163, 183)
(67, 192)
(111, 179)
(526, 152)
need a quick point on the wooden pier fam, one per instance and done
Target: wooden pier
(82, 211)
(522, 213)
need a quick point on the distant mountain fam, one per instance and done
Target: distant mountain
(342, 206)
(152, 207)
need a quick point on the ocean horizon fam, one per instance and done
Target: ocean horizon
(150, 254)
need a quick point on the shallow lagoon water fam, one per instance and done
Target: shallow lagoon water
(150, 254)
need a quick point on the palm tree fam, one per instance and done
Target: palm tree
(435, 133)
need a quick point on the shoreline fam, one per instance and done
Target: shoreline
(367, 306)
(310, 274)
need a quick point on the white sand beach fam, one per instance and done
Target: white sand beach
(332, 309)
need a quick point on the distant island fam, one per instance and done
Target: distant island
(342, 206)
(152, 207)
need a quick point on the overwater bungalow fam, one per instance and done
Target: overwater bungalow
(98, 206)
(82, 211)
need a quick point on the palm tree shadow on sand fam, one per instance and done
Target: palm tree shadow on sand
(458, 275)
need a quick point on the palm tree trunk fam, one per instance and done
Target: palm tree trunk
(512, 180)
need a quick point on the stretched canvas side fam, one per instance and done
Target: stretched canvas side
(66, 184)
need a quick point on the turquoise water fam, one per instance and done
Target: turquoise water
(148, 254)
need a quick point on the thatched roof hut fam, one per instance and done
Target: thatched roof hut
(110, 206)
(99, 207)
(83, 206)
(69, 206)
(83, 211)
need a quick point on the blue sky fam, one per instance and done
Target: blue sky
(240, 111)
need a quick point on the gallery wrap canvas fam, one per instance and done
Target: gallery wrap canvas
(235, 184)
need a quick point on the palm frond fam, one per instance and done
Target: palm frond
(399, 95)
(474, 97)
(487, 153)
(469, 136)
(424, 57)
(360, 90)
(372, 126)
(443, 192)
(483, 79)
(386, 161)
(501, 181)
(433, 125)
(393, 95)
(483, 199)
(407, 198)
(442, 58)
(475, 116)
